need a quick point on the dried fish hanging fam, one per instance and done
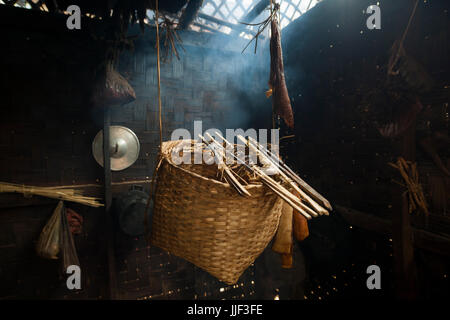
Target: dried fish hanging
(281, 103)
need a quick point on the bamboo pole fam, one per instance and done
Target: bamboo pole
(313, 193)
(286, 192)
(274, 186)
(68, 194)
(315, 205)
(229, 176)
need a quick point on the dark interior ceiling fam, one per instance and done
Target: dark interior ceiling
(103, 7)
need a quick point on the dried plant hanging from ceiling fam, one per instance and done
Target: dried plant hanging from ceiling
(224, 16)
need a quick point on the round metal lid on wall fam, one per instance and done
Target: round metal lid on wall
(124, 147)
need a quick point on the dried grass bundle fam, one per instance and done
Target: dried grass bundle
(60, 193)
(410, 175)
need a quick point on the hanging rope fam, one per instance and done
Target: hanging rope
(274, 9)
(159, 159)
(273, 108)
(158, 70)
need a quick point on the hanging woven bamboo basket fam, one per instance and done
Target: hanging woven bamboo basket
(205, 221)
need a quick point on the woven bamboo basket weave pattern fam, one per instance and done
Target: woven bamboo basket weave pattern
(207, 223)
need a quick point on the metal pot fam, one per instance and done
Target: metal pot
(130, 209)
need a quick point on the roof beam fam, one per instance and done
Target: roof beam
(190, 13)
(255, 12)
(225, 23)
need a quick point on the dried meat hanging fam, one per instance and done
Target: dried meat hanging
(281, 104)
(277, 82)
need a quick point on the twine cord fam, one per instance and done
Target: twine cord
(160, 157)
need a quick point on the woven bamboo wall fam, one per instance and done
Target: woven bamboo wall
(46, 131)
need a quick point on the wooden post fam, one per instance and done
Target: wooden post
(108, 201)
(402, 242)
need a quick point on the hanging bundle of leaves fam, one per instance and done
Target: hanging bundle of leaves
(171, 41)
(410, 175)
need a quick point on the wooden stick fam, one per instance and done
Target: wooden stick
(306, 211)
(53, 193)
(231, 179)
(275, 187)
(286, 192)
(286, 199)
(315, 205)
(238, 176)
(313, 193)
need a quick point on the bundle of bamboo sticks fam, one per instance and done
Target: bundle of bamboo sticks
(410, 175)
(292, 189)
(66, 193)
